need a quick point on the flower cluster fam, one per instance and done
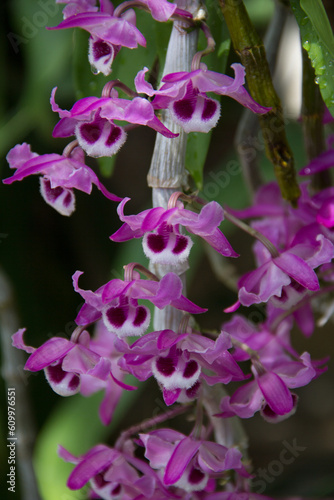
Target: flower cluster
(276, 367)
(115, 338)
(297, 243)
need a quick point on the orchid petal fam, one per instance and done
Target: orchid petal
(53, 350)
(182, 454)
(298, 269)
(276, 393)
(18, 342)
(90, 467)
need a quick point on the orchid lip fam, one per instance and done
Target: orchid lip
(166, 247)
(126, 320)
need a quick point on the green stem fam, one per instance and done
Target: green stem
(250, 48)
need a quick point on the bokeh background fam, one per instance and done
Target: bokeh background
(40, 250)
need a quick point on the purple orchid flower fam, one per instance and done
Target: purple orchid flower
(185, 462)
(269, 347)
(302, 233)
(107, 32)
(184, 94)
(82, 364)
(276, 367)
(91, 120)
(117, 302)
(162, 242)
(321, 209)
(179, 362)
(111, 473)
(64, 361)
(275, 218)
(267, 394)
(161, 10)
(110, 29)
(269, 391)
(61, 174)
(308, 250)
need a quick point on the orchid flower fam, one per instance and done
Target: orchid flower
(117, 302)
(162, 241)
(269, 391)
(184, 94)
(112, 473)
(81, 364)
(107, 32)
(308, 250)
(91, 120)
(60, 175)
(110, 29)
(180, 362)
(64, 361)
(185, 462)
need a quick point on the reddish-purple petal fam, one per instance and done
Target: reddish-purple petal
(276, 393)
(53, 350)
(91, 466)
(182, 454)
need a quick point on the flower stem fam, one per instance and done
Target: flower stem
(70, 147)
(252, 232)
(117, 83)
(151, 422)
(129, 268)
(301, 303)
(209, 48)
(237, 222)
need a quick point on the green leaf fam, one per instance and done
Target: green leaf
(317, 41)
(318, 17)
